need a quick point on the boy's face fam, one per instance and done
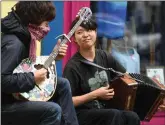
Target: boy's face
(85, 39)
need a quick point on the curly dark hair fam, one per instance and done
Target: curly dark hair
(35, 12)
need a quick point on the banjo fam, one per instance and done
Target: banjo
(44, 90)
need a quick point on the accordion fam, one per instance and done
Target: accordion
(137, 93)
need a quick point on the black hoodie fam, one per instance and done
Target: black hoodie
(14, 48)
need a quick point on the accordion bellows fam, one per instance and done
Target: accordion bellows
(137, 93)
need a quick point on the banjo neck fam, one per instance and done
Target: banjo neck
(55, 51)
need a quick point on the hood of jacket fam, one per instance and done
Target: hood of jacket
(11, 24)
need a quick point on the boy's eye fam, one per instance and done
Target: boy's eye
(46, 24)
(79, 32)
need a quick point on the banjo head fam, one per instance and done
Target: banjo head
(45, 89)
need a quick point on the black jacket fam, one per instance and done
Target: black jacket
(14, 48)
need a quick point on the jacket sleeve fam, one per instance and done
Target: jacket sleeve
(11, 57)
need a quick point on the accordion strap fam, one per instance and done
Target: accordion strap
(108, 69)
(98, 66)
